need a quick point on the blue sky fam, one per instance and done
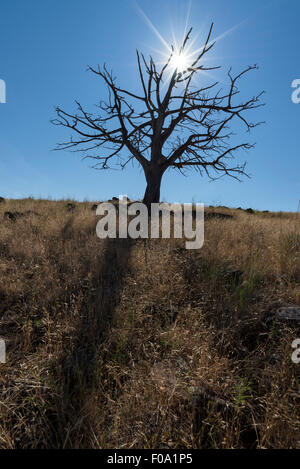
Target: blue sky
(47, 45)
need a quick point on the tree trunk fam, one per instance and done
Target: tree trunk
(152, 193)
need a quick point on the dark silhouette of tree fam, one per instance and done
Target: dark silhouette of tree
(171, 124)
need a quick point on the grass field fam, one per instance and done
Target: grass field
(123, 344)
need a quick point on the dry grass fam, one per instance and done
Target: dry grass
(119, 344)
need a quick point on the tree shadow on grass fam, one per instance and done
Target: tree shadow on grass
(77, 373)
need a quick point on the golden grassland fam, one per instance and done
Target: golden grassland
(123, 344)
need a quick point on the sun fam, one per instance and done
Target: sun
(180, 62)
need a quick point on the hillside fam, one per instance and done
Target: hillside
(123, 344)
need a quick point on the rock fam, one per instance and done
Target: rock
(289, 313)
(285, 314)
(70, 207)
(9, 216)
(13, 216)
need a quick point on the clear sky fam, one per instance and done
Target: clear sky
(45, 47)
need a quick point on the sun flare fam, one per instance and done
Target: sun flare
(183, 60)
(180, 62)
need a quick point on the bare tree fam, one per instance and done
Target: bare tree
(171, 124)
